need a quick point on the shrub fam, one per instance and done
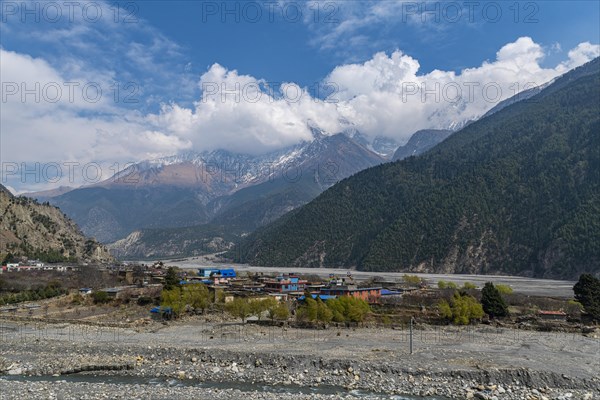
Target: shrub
(77, 299)
(446, 285)
(412, 280)
(504, 289)
(144, 300)
(469, 285)
(100, 297)
(573, 307)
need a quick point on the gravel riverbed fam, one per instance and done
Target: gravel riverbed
(212, 361)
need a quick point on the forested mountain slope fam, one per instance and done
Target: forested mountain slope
(516, 192)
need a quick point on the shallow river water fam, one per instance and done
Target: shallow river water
(242, 386)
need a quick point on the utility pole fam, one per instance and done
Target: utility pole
(411, 335)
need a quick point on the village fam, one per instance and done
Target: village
(143, 294)
(36, 265)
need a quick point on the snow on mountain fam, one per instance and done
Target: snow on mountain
(233, 171)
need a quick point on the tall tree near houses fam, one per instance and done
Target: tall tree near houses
(587, 292)
(171, 279)
(492, 301)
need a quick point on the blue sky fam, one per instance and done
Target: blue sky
(280, 44)
(152, 59)
(290, 48)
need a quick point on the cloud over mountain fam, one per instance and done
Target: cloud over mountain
(384, 96)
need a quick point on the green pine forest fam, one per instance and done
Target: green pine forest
(513, 193)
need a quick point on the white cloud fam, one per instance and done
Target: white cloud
(581, 54)
(49, 126)
(385, 95)
(242, 114)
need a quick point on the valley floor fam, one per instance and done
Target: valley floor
(203, 359)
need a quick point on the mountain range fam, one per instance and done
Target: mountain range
(516, 192)
(282, 184)
(193, 203)
(205, 202)
(196, 203)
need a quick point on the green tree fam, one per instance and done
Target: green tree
(337, 309)
(196, 296)
(469, 285)
(173, 299)
(445, 309)
(277, 310)
(271, 306)
(308, 311)
(9, 258)
(587, 292)
(461, 310)
(281, 312)
(258, 307)
(171, 279)
(492, 302)
(348, 309)
(239, 308)
(324, 313)
(357, 309)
